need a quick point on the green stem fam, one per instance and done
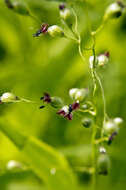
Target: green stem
(94, 33)
(94, 177)
(104, 102)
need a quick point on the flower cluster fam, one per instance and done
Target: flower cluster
(99, 61)
(111, 128)
(53, 30)
(78, 97)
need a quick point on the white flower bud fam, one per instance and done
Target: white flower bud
(55, 31)
(110, 127)
(13, 165)
(102, 150)
(72, 92)
(91, 61)
(102, 60)
(118, 120)
(81, 94)
(114, 10)
(8, 97)
(56, 102)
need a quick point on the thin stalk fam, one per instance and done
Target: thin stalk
(104, 101)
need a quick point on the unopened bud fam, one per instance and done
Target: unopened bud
(118, 121)
(86, 122)
(8, 97)
(55, 31)
(103, 164)
(102, 150)
(56, 102)
(81, 94)
(13, 165)
(110, 127)
(72, 92)
(20, 8)
(92, 62)
(114, 10)
(102, 60)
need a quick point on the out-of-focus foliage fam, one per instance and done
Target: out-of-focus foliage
(30, 66)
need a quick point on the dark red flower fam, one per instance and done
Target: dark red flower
(112, 137)
(46, 98)
(107, 54)
(75, 106)
(43, 29)
(66, 111)
(62, 6)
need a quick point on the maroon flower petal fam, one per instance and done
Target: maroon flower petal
(44, 28)
(61, 6)
(61, 112)
(107, 54)
(69, 116)
(46, 98)
(75, 106)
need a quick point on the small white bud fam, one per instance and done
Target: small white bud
(81, 94)
(102, 60)
(118, 120)
(8, 97)
(91, 61)
(110, 127)
(12, 165)
(114, 10)
(102, 149)
(55, 31)
(72, 92)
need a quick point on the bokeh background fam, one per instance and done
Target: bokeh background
(30, 66)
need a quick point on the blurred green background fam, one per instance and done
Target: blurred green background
(30, 66)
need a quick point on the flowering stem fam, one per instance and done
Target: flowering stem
(104, 102)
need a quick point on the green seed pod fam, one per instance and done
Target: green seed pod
(66, 15)
(110, 127)
(20, 8)
(86, 122)
(55, 31)
(8, 97)
(114, 10)
(103, 164)
(72, 92)
(81, 94)
(56, 102)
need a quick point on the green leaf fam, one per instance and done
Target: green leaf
(46, 162)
